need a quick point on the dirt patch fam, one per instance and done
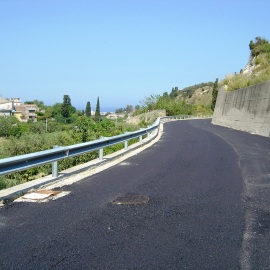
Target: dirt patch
(148, 117)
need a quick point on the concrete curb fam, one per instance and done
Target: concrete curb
(77, 173)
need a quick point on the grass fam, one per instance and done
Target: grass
(260, 73)
(240, 81)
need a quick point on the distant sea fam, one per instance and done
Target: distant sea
(108, 109)
(102, 109)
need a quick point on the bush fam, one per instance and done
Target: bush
(10, 126)
(84, 129)
(7, 183)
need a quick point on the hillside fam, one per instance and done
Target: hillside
(200, 99)
(257, 69)
(199, 96)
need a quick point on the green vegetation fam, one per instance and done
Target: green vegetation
(259, 67)
(67, 109)
(173, 106)
(88, 109)
(97, 113)
(59, 124)
(10, 126)
(82, 130)
(127, 109)
(179, 102)
(260, 46)
(189, 91)
(214, 95)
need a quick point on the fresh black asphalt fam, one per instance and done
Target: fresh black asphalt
(209, 208)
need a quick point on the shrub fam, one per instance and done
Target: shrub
(84, 129)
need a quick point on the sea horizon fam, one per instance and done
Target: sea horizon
(102, 109)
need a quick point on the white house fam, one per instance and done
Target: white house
(6, 107)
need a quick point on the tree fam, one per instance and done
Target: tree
(129, 109)
(174, 92)
(97, 113)
(120, 110)
(10, 126)
(165, 95)
(83, 128)
(261, 45)
(214, 95)
(37, 102)
(88, 109)
(149, 103)
(65, 108)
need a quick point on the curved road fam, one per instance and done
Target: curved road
(209, 208)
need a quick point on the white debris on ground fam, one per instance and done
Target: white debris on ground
(42, 196)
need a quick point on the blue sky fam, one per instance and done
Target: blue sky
(122, 50)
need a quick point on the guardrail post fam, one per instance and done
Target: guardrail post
(156, 132)
(148, 134)
(141, 139)
(55, 166)
(101, 154)
(126, 143)
(101, 151)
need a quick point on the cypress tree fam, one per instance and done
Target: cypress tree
(65, 108)
(88, 109)
(214, 95)
(97, 113)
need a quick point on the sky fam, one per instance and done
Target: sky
(122, 51)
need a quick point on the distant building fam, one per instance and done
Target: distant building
(19, 116)
(28, 112)
(16, 101)
(6, 107)
(23, 112)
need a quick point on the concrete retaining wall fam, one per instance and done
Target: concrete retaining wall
(247, 109)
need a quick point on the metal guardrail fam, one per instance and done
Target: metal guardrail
(27, 161)
(182, 117)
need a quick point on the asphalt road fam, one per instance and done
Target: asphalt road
(209, 208)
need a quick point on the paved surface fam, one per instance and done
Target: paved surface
(208, 209)
(80, 171)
